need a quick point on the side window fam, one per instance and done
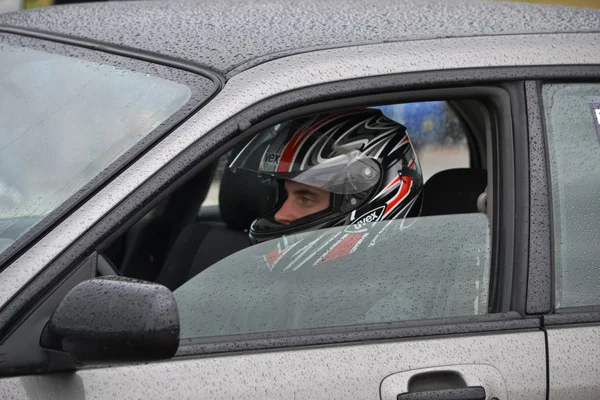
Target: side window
(354, 216)
(436, 132)
(330, 249)
(572, 114)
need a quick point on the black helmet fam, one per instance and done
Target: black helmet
(365, 160)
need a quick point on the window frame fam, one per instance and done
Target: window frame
(501, 97)
(207, 150)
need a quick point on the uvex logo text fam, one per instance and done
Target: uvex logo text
(371, 216)
(272, 158)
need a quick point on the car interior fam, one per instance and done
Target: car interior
(184, 235)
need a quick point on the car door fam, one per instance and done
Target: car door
(465, 347)
(499, 351)
(572, 328)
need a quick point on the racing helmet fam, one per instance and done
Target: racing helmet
(362, 158)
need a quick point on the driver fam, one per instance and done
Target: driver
(333, 169)
(301, 201)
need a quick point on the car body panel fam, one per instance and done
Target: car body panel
(351, 371)
(233, 34)
(296, 72)
(574, 361)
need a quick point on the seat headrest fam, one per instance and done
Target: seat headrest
(454, 191)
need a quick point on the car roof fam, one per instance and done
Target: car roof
(230, 35)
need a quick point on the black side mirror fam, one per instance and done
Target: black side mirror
(115, 319)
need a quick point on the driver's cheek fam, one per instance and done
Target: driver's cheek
(289, 212)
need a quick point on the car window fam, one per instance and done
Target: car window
(63, 121)
(572, 114)
(328, 220)
(433, 262)
(436, 131)
(375, 273)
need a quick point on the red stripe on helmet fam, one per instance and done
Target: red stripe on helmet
(392, 183)
(401, 195)
(397, 179)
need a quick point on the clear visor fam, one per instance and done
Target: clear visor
(289, 151)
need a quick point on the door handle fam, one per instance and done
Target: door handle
(459, 381)
(468, 393)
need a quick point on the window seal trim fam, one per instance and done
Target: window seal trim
(522, 196)
(506, 322)
(501, 197)
(573, 316)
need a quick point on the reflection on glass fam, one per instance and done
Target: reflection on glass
(64, 120)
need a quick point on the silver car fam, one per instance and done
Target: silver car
(125, 265)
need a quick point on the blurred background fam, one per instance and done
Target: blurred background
(573, 3)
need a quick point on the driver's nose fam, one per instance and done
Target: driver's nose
(286, 214)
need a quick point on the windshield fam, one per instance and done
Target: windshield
(62, 121)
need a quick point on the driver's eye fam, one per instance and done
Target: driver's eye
(306, 202)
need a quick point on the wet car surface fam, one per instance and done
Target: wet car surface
(125, 265)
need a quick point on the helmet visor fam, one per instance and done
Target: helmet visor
(302, 153)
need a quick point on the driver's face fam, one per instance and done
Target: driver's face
(302, 200)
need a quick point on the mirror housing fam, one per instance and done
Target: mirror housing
(115, 319)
